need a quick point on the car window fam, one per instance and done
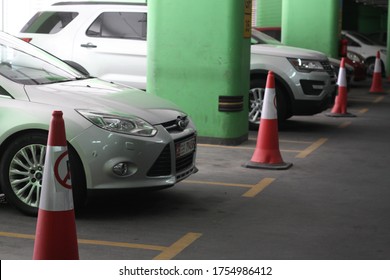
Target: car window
(352, 42)
(48, 22)
(363, 39)
(31, 66)
(126, 25)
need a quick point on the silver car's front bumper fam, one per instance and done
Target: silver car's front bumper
(150, 161)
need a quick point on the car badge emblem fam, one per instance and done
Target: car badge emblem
(182, 122)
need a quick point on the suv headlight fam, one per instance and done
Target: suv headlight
(306, 65)
(128, 125)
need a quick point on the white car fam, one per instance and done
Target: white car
(109, 41)
(118, 137)
(367, 48)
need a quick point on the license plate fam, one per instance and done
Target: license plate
(185, 147)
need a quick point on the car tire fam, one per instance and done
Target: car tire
(256, 96)
(22, 166)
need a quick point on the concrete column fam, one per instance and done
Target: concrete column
(313, 24)
(198, 57)
(269, 13)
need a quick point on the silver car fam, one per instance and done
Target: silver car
(118, 137)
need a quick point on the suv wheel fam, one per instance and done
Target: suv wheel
(256, 97)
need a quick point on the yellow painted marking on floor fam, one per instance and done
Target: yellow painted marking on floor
(288, 141)
(345, 124)
(253, 189)
(378, 99)
(311, 148)
(217, 184)
(167, 252)
(17, 235)
(223, 147)
(241, 148)
(178, 246)
(362, 111)
(259, 187)
(122, 244)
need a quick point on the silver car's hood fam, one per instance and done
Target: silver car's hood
(107, 98)
(286, 51)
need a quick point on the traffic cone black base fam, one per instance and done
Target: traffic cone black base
(339, 115)
(274, 166)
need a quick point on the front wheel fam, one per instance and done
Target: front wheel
(256, 99)
(22, 167)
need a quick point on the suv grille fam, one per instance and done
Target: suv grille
(328, 68)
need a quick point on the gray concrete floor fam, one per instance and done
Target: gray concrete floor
(333, 203)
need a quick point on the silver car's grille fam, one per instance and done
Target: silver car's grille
(173, 126)
(186, 161)
(162, 166)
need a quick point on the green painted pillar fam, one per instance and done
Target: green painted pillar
(313, 24)
(269, 13)
(198, 57)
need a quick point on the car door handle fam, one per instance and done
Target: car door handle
(88, 45)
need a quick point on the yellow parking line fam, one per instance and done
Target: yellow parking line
(253, 189)
(288, 141)
(301, 153)
(167, 252)
(121, 244)
(177, 247)
(311, 148)
(378, 99)
(223, 147)
(258, 187)
(17, 235)
(363, 111)
(345, 124)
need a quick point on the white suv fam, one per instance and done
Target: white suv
(109, 41)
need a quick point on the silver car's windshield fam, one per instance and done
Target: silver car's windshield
(32, 68)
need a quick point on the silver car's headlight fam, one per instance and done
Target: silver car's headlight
(128, 125)
(306, 65)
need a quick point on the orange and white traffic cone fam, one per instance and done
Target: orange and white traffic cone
(376, 85)
(340, 106)
(56, 237)
(267, 154)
